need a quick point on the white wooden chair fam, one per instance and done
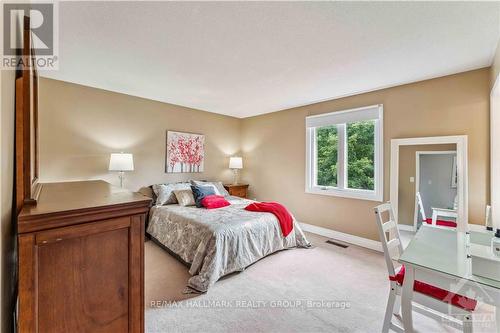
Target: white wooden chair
(420, 206)
(437, 212)
(422, 303)
(443, 212)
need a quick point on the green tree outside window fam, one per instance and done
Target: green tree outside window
(327, 148)
(360, 155)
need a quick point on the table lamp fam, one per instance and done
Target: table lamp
(235, 163)
(121, 162)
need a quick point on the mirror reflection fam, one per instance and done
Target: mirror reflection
(427, 186)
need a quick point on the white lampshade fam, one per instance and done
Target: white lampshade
(235, 163)
(121, 162)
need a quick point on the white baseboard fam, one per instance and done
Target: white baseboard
(406, 227)
(348, 238)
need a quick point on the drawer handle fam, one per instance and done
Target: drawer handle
(47, 241)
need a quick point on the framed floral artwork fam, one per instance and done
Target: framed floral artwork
(185, 152)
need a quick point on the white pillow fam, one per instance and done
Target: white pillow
(212, 186)
(164, 192)
(185, 197)
(219, 188)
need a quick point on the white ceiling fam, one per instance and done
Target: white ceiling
(244, 59)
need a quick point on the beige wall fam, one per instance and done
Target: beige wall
(407, 169)
(80, 126)
(274, 146)
(7, 106)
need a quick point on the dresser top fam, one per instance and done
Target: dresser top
(235, 185)
(70, 199)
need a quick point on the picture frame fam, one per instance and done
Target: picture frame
(184, 152)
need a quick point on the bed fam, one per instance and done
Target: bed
(217, 242)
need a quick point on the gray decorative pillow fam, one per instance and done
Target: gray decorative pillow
(185, 197)
(220, 190)
(164, 192)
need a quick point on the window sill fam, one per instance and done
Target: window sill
(349, 193)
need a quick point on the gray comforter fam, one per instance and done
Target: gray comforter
(219, 241)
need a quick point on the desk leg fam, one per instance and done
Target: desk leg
(406, 297)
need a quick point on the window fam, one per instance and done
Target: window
(344, 153)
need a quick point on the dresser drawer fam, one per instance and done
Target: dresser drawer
(88, 277)
(239, 190)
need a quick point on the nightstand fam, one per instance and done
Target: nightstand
(239, 190)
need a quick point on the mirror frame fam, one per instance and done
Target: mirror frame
(463, 180)
(27, 161)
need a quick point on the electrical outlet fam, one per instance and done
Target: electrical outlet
(412, 179)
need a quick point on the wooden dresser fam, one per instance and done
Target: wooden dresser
(238, 190)
(81, 259)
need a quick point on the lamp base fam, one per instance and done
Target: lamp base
(235, 176)
(121, 175)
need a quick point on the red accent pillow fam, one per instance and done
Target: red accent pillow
(214, 201)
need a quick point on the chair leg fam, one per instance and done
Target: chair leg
(388, 310)
(397, 305)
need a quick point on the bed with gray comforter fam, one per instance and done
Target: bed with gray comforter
(219, 241)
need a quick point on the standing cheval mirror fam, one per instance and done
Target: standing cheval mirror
(429, 183)
(27, 172)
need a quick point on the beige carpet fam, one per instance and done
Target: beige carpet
(325, 289)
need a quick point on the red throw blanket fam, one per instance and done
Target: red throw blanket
(284, 217)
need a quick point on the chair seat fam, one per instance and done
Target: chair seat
(443, 223)
(457, 300)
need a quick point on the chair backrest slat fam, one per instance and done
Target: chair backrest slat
(393, 243)
(421, 206)
(388, 227)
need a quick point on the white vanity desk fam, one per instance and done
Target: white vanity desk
(440, 257)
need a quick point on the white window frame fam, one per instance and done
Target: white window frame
(340, 118)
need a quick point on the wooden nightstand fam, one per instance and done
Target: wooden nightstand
(239, 190)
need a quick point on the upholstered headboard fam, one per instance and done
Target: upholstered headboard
(148, 192)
